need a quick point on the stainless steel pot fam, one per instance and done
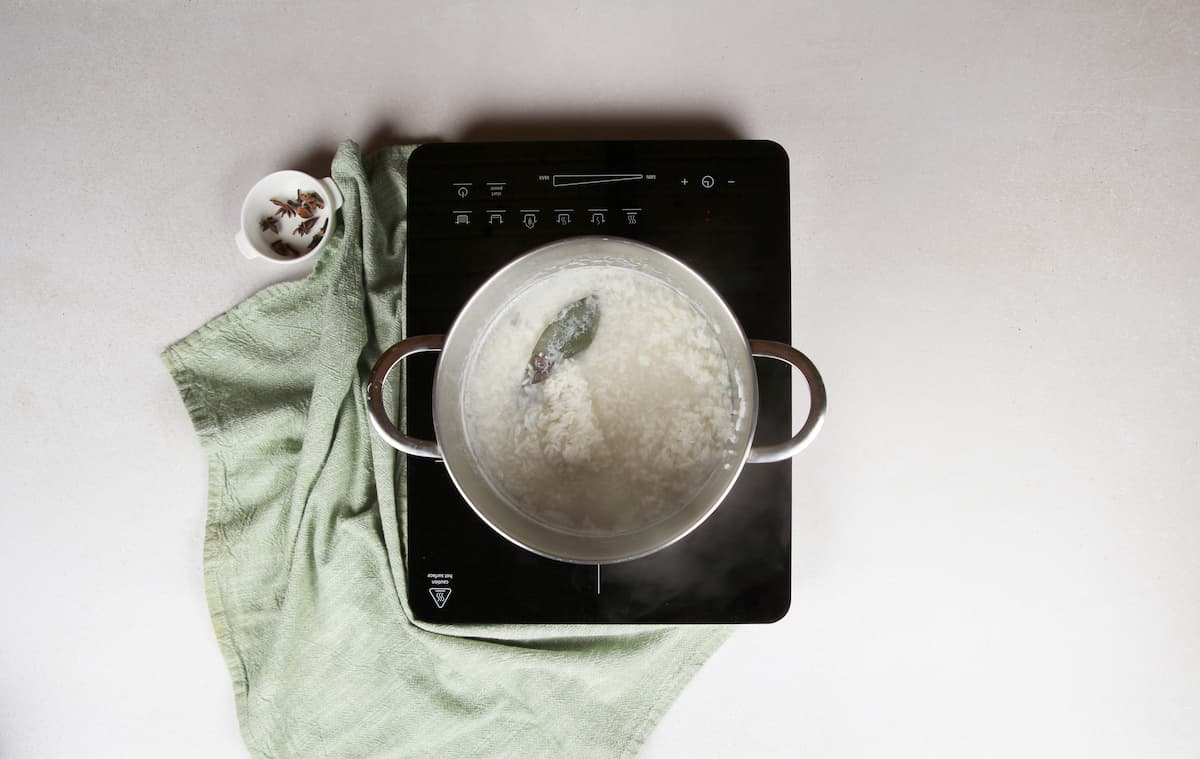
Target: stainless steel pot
(459, 345)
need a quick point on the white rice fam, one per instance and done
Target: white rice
(623, 434)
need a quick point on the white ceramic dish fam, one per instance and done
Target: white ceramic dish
(255, 242)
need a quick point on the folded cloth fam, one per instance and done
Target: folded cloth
(304, 550)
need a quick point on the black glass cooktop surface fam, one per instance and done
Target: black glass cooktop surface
(719, 206)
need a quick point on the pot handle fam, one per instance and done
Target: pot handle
(816, 403)
(379, 373)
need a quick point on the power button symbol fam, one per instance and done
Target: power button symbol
(707, 181)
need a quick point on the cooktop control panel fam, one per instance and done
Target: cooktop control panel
(562, 196)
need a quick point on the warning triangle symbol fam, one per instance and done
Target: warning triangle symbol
(440, 596)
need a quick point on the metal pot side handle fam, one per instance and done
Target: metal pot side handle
(816, 405)
(375, 410)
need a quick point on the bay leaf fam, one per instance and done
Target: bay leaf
(571, 332)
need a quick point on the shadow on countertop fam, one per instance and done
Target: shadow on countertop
(317, 159)
(501, 127)
(636, 125)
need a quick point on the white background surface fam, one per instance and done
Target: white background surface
(996, 230)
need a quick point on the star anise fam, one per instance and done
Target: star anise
(305, 227)
(310, 199)
(283, 249)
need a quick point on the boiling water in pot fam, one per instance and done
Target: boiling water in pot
(617, 436)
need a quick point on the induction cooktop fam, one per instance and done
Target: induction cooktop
(719, 206)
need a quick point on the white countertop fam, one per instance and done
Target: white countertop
(996, 235)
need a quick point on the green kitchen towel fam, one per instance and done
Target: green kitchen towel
(304, 550)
